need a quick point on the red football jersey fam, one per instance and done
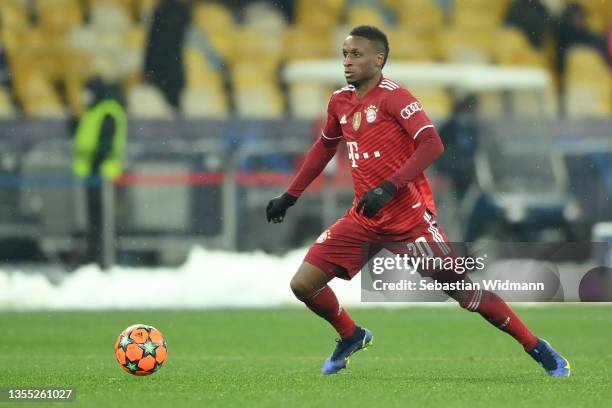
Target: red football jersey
(380, 130)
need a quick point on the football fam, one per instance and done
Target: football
(141, 349)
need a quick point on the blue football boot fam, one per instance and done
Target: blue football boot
(553, 362)
(360, 340)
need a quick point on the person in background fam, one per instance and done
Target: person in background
(460, 136)
(5, 72)
(573, 30)
(99, 143)
(533, 18)
(164, 51)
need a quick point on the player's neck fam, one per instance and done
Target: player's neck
(364, 88)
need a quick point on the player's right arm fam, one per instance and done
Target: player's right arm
(316, 159)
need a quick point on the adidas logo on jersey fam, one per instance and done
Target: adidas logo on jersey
(387, 84)
(343, 120)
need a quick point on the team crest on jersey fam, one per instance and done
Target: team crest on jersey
(371, 113)
(356, 120)
(323, 237)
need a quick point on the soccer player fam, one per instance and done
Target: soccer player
(390, 142)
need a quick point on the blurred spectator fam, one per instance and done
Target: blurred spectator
(574, 30)
(5, 73)
(99, 142)
(460, 135)
(164, 54)
(533, 18)
(287, 7)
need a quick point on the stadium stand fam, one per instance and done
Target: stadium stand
(146, 101)
(233, 57)
(588, 84)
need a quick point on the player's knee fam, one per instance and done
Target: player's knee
(300, 289)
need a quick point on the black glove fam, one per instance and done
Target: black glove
(375, 199)
(277, 207)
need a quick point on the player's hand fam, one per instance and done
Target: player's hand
(277, 207)
(375, 199)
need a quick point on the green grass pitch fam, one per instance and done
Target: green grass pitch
(232, 358)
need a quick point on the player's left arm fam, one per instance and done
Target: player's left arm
(412, 118)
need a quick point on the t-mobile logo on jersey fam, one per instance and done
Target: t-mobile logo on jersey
(354, 156)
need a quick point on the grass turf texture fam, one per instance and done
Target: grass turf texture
(421, 357)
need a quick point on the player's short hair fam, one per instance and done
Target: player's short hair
(375, 35)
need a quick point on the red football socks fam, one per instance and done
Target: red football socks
(499, 314)
(325, 304)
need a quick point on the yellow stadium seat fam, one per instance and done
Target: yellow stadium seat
(357, 16)
(308, 100)
(211, 17)
(469, 46)
(199, 73)
(250, 71)
(489, 12)
(43, 49)
(588, 84)
(420, 15)
(533, 104)
(436, 101)
(127, 5)
(583, 101)
(412, 46)
(59, 14)
(222, 41)
(203, 80)
(12, 38)
(130, 56)
(136, 37)
(144, 10)
(37, 96)
(250, 43)
(147, 102)
(6, 106)
(260, 100)
(511, 47)
(325, 15)
(491, 104)
(265, 17)
(195, 61)
(318, 19)
(599, 13)
(584, 63)
(517, 103)
(204, 103)
(110, 16)
(397, 5)
(482, 20)
(13, 13)
(301, 43)
(76, 73)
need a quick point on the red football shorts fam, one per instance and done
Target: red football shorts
(339, 250)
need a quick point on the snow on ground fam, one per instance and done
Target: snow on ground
(208, 278)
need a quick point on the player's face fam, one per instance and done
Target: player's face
(362, 60)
